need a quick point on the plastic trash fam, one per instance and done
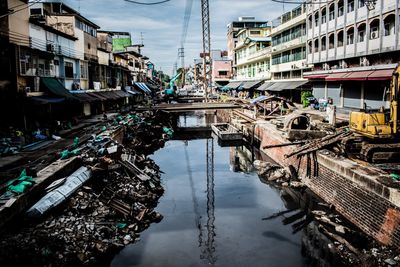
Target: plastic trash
(76, 142)
(168, 131)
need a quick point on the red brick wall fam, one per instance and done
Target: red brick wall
(372, 213)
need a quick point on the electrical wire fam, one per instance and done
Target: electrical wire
(147, 4)
(303, 2)
(18, 10)
(186, 20)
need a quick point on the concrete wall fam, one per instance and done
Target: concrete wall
(18, 22)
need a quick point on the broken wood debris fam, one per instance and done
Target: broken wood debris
(105, 214)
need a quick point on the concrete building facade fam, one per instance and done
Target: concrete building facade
(253, 54)
(353, 49)
(232, 34)
(288, 53)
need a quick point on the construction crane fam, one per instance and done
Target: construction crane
(207, 65)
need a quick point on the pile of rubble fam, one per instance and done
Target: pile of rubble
(105, 214)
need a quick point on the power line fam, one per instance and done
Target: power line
(186, 20)
(18, 10)
(147, 4)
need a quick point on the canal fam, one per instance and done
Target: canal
(215, 208)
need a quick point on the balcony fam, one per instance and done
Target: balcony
(300, 41)
(263, 53)
(290, 23)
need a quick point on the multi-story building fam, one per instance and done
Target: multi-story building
(221, 68)
(235, 26)
(288, 54)
(65, 19)
(252, 57)
(353, 49)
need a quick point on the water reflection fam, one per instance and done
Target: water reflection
(216, 212)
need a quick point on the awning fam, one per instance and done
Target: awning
(337, 76)
(109, 95)
(280, 86)
(143, 87)
(381, 75)
(46, 99)
(131, 91)
(57, 88)
(370, 75)
(265, 86)
(259, 99)
(97, 96)
(233, 85)
(121, 93)
(315, 77)
(358, 75)
(151, 86)
(249, 85)
(84, 97)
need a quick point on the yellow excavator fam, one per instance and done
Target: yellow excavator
(377, 134)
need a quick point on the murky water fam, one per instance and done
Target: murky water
(214, 216)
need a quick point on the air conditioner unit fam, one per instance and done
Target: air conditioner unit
(27, 89)
(374, 34)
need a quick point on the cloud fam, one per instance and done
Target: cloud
(161, 25)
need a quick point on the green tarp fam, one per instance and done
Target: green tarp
(56, 87)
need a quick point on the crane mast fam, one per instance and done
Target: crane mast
(207, 67)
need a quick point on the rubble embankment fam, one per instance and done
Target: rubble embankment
(104, 214)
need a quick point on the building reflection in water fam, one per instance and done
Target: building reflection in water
(299, 204)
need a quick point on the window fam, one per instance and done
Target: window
(323, 16)
(350, 38)
(389, 23)
(361, 33)
(340, 8)
(340, 39)
(374, 29)
(361, 3)
(323, 43)
(36, 11)
(316, 19)
(84, 70)
(255, 32)
(69, 70)
(331, 12)
(387, 29)
(332, 41)
(222, 73)
(285, 57)
(361, 36)
(350, 6)
(340, 11)
(316, 45)
(276, 59)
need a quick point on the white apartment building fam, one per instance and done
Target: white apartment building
(288, 55)
(353, 49)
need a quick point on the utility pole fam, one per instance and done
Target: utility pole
(207, 67)
(181, 55)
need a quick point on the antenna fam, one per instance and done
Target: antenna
(141, 38)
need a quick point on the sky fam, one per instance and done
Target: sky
(161, 25)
